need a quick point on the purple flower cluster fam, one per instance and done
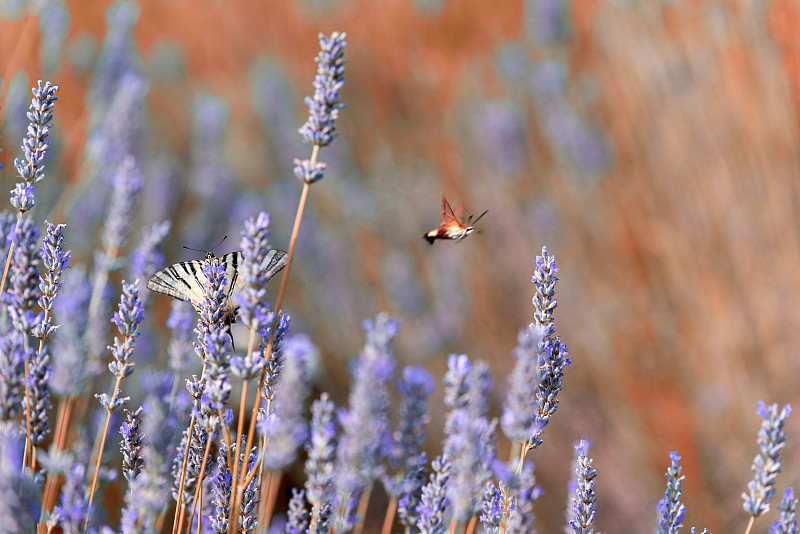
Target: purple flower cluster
(255, 273)
(34, 146)
(432, 509)
(767, 464)
(147, 257)
(213, 337)
(131, 444)
(323, 108)
(319, 466)
(23, 292)
(38, 382)
(670, 509)
(55, 261)
(583, 511)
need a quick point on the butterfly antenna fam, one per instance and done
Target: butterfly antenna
(194, 249)
(218, 244)
(479, 217)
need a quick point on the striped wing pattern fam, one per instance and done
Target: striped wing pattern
(185, 280)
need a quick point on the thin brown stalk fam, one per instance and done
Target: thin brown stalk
(180, 515)
(200, 483)
(200, 512)
(240, 425)
(362, 510)
(388, 519)
(472, 524)
(8, 264)
(284, 281)
(100, 451)
(176, 522)
(262, 505)
(272, 495)
(28, 442)
(750, 524)
(453, 525)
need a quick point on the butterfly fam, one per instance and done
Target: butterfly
(186, 281)
(455, 224)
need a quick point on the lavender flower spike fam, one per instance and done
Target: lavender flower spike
(321, 448)
(433, 508)
(131, 444)
(35, 145)
(788, 521)
(148, 256)
(670, 509)
(213, 338)
(127, 184)
(766, 465)
(55, 261)
(19, 495)
(583, 510)
(255, 273)
(23, 292)
(323, 109)
(39, 374)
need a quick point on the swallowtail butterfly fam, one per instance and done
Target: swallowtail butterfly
(186, 281)
(455, 225)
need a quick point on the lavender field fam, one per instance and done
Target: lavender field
(613, 349)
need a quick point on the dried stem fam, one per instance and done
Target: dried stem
(100, 451)
(198, 491)
(388, 520)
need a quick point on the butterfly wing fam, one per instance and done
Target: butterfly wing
(182, 281)
(448, 217)
(273, 262)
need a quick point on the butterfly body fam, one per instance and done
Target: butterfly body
(455, 225)
(186, 280)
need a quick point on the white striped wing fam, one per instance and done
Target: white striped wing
(185, 280)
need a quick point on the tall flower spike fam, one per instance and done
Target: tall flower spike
(35, 145)
(71, 308)
(23, 292)
(55, 261)
(213, 338)
(131, 444)
(148, 256)
(19, 495)
(365, 425)
(127, 184)
(286, 429)
(787, 524)
(39, 374)
(12, 374)
(323, 108)
(297, 520)
(767, 464)
(253, 306)
(583, 508)
(321, 448)
(432, 509)
(670, 509)
(180, 348)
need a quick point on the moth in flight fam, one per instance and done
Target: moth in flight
(186, 281)
(456, 225)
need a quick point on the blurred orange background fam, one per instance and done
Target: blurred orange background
(652, 146)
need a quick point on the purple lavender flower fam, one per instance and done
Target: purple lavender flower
(415, 386)
(39, 374)
(275, 362)
(297, 521)
(53, 26)
(319, 469)
(127, 183)
(55, 261)
(411, 486)
(147, 257)
(492, 508)
(583, 509)
(127, 319)
(767, 464)
(323, 109)
(309, 172)
(222, 483)
(12, 374)
(19, 496)
(23, 291)
(255, 273)
(71, 310)
(71, 510)
(131, 444)
(35, 145)
(433, 506)
(670, 509)
(180, 322)
(285, 429)
(213, 339)
(787, 524)
(365, 425)
(164, 410)
(8, 223)
(144, 501)
(523, 494)
(517, 418)
(196, 449)
(248, 510)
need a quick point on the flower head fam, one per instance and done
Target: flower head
(767, 464)
(323, 108)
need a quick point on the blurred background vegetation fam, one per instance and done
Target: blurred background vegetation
(651, 145)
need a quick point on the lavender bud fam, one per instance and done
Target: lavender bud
(323, 109)
(767, 464)
(670, 509)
